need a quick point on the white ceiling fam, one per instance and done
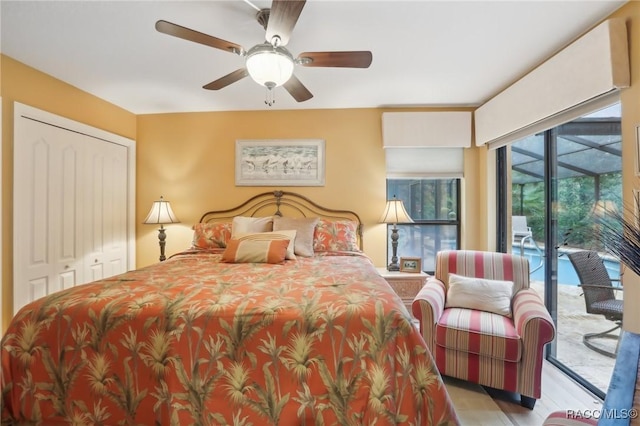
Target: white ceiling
(425, 53)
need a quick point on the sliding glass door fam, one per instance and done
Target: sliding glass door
(562, 181)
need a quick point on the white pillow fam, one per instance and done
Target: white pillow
(245, 224)
(275, 235)
(480, 294)
(305, 228)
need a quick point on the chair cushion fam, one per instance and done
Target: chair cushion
(483, 333)
(608, 307)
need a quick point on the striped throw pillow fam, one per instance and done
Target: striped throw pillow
(268, 236)
(255, 251)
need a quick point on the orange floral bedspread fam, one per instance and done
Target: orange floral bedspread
(317, 341)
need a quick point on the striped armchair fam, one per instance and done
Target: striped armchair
(492, 350)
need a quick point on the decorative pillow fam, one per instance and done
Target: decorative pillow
(245, 224)
(304, 227)
(255, 251)
(269, 236)
(336, 235)
(480, 294)
(211, 235)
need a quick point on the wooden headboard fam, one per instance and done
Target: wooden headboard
(282, 203)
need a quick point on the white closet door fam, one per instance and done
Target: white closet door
(116, 225)
(64, 177)
(105, 216)
(31, 232)
(47, 207)
(72, 205)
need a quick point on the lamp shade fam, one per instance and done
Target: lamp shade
(269, 65)
(161, 213)
(394, 212)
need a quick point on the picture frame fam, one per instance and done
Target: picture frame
(637, 150)
(410, 264)
(280, 162)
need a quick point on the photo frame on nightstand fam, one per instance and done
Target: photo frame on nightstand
(410, 264)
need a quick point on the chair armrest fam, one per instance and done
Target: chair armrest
(606, 287)
(535, 327)
(427, 308)
(531, 317)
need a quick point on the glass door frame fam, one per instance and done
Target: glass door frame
(550, 240)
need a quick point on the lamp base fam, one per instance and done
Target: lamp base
(394, 266)
(161, 240)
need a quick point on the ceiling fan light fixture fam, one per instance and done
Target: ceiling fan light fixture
(268, 65)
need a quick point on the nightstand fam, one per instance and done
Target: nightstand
(405, 284)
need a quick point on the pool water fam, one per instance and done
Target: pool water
(566, 273)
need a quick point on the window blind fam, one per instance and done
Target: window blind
(424, 162)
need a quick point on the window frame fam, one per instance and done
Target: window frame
(430, 222)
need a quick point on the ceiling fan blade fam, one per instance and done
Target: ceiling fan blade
(228, 79)
(355, 59)
(198, 37)
(297, 89)
(282, 19)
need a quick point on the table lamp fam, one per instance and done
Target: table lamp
(161, 214)
(395, 213)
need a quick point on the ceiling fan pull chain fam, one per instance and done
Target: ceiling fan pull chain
(270, 98)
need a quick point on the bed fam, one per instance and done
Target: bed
(212, 337)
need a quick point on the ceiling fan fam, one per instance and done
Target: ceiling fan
(270, 64)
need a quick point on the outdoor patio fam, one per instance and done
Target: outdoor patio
(573, 323)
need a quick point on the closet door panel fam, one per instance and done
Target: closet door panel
(115, 223)
(32, 215)
(47, 209)
(67, 209)
(94, 214)
(106, 218)
(36, 176)
(34, 234)
(68, 194)
(38, 287)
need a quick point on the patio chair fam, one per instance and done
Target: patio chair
(599, 296)
(519, 229)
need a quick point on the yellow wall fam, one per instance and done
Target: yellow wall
(189, 159)
(474, 201)
(20, 83)
(630, 99)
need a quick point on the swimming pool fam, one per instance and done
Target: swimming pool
(566, 274)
